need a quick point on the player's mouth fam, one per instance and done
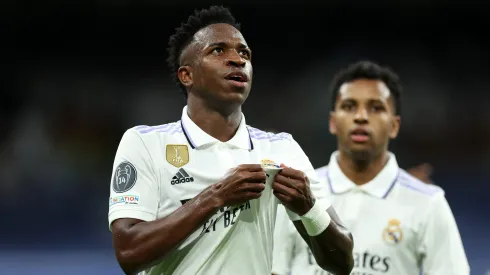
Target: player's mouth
(238, 78)
(360, 135)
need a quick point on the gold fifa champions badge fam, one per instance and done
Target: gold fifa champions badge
(177, 154)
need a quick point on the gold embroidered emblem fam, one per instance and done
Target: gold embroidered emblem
(177, 154)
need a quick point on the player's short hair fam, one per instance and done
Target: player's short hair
(185, 33)
(372, 71)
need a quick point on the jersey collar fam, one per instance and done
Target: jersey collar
(379, 187)
(197, 137)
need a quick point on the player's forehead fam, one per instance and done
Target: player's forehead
(219, 33)
(364, 90)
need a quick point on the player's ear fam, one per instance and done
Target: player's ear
(184, 73)
(332, 123)
(395, 127)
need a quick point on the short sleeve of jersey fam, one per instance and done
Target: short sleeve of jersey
(134, 189)
(300, 161)
(441, 246)
(283, 243)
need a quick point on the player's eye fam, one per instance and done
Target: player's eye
(218, 50)
(245, 53)
(378, 108)
(347, 106)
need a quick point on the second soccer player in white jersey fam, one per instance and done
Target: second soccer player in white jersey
(191, 197)
(401, 226)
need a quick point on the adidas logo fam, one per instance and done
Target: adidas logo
(181, 177)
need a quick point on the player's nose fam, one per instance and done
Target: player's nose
(361, 116)
(235, 60)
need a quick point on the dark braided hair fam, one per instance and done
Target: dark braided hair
(185, 33)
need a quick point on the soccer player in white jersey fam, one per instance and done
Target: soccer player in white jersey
(401, 226)
(190, 197)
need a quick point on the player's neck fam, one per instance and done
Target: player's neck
(361, 171)
(222, 125)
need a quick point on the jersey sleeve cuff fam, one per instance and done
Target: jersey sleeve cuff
(293, 216)
(139, 214)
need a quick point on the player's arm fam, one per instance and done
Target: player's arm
(283, 243)
(332, 248)
(139, 238)
(138, 243)
(314, 218)
(440, 246)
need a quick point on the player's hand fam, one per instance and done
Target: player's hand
(422, 172)
(292, 188)
(240, 184)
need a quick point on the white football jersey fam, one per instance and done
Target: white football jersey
(158, 169)
(400, 225)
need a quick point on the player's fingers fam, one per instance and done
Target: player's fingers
(257, 176)
(251, 167)
(244, 176)
(252, 187)
(292, 173)
(291, 183)
(283, 198)
(283, 189)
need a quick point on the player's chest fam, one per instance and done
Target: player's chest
(380, 224)
(184, 172)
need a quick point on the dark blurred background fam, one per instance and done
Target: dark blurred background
(76, 76)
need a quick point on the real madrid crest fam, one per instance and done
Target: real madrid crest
(393, 234)
(267, 163)
(177, 154)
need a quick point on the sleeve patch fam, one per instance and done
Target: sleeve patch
(124, 199)
(124, 177)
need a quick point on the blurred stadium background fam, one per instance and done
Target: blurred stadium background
(77, 75)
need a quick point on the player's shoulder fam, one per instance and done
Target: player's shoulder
(268, 137)
(171, 128)
(410, 184)
(156, 134)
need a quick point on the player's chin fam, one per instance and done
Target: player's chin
(364, 145)
(361, 151)
(234, 95)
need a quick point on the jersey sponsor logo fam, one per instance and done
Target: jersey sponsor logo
(393, 234)
(124, 199)
(224, 218)
(177, 154)
(181, 177)
(124, 177)
(365, 263)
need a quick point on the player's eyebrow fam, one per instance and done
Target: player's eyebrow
(224, 44)
(348, 99)
(369, 100)
(377, 100)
